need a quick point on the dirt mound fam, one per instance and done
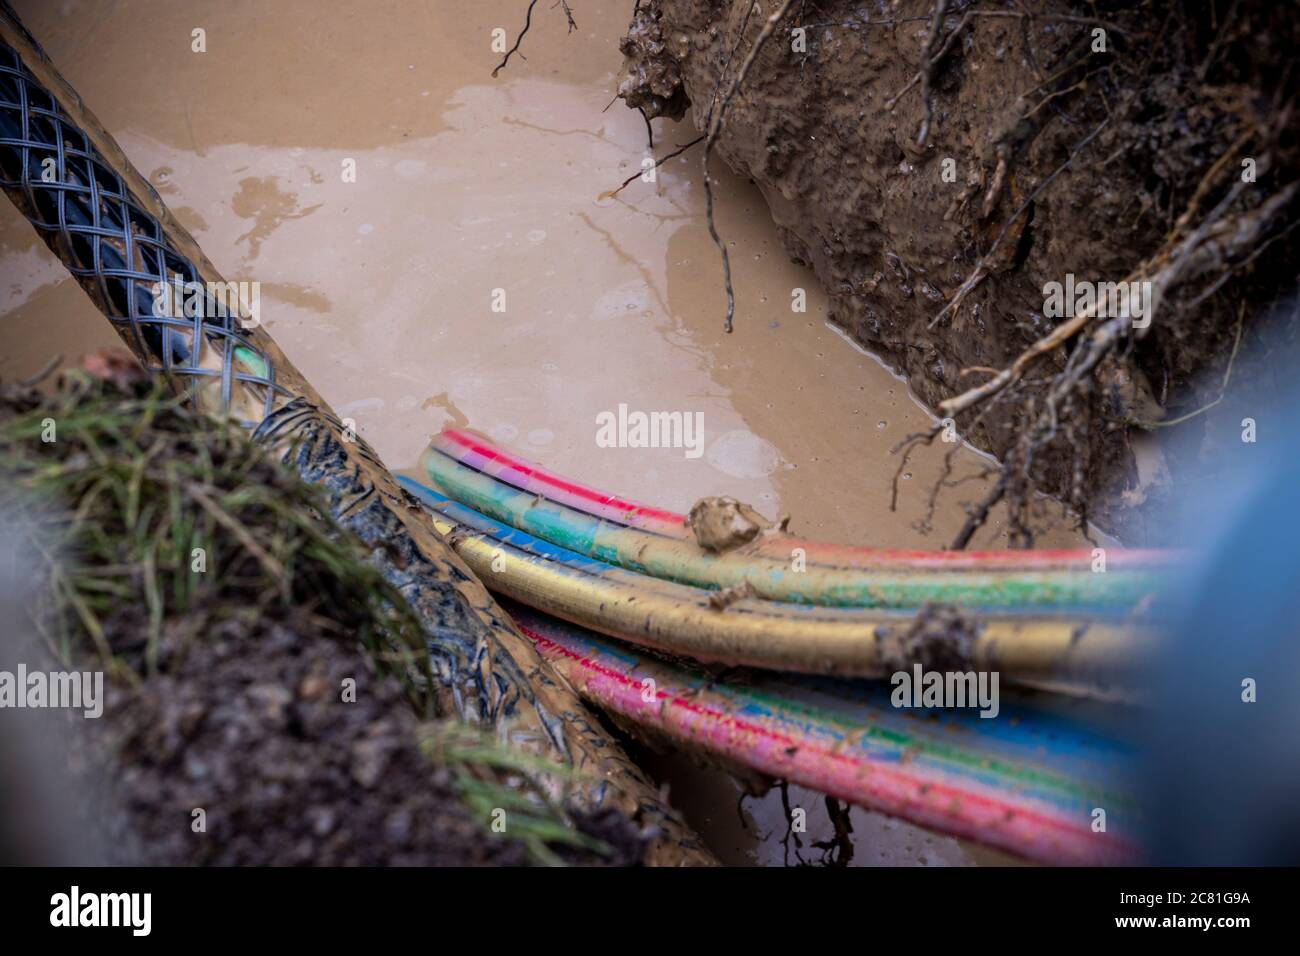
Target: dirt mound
(267, 695)
(941, 164)
(249, 729)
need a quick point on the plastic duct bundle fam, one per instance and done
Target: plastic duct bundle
(1030, 781)
(631, 571)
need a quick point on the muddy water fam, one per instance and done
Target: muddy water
(474, 270)
(745, 826)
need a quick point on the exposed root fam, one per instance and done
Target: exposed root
(838, 849)
(930, 60)
(716, 119)
(1098, 195)
(1220, 240)
(568, 13)
(1223, 388)
(528, 22)
(637, 175)
(790, 833)
(1217, 241)
(46, 370)
(907, 446)
(985, 265)
(649, 130)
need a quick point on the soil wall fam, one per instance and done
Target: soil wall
(1038, 145)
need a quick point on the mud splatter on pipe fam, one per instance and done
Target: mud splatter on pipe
(776, 576)
(1091, 654)
(477, 452)
(1025, 781)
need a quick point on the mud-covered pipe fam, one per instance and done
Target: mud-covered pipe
(786, 575)
(112, 231)
(480, 454)
(1025, 781)
(1095, 654)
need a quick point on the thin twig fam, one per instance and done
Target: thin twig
(715, 129)
(633, 178)
(649, 131)
(907, 446)
(1223, 389)
(528, 22)
(929, 64)
(568, 14)
(977, 517)
(40, 376)
(981, 268)
(1163, 270)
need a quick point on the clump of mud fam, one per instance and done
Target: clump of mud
(268, 698)
(722, 524)
(939, 164)
(939, 638)
(652, 81)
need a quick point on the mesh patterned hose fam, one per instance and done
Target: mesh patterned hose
(110, 228)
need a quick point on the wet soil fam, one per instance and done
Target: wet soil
(252, 731)
(748, 823)
(893, 221)
(268, 709)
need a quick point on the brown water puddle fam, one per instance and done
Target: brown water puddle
(381, 290)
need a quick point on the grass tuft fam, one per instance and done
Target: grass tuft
(156, 524)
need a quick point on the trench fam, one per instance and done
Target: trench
(381, 287)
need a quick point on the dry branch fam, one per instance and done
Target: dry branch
(528, 22)
(1218, 241)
